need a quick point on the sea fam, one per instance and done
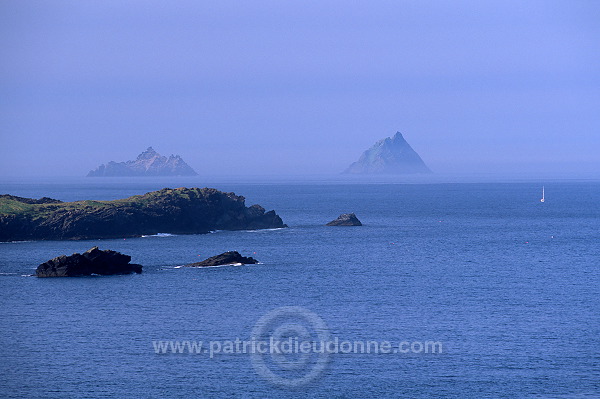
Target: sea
(458, 290)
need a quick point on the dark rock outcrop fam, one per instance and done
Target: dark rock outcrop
(227, 258)
(345, 219)
(175, 211)
(392, 155)
(93, 261)
(148, 163)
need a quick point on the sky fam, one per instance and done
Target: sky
(299, 87)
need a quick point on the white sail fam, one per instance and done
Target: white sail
(543, 195)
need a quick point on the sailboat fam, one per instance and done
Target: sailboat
(543, 195)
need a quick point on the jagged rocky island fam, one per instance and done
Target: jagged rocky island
(345, 219)
(392, 155)
(226, 258)
(177, 211)
(92, 261)
(148, 163)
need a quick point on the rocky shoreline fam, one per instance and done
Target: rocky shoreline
(175, 211)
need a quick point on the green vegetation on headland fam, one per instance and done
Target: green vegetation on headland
(177, 211)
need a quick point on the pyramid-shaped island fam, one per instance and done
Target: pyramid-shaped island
(392, 155)
(148, 163)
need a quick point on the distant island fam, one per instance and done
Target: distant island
(392, 155)
(176, 211)
(148, 163)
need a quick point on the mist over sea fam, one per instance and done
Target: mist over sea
(509, 285)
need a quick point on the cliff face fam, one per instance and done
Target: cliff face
(392, 155)
(148, 163)
(177, 211)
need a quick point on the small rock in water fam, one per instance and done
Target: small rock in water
(227, 258)
(93, 261)
(345, 219)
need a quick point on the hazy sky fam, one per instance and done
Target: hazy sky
(257, 87)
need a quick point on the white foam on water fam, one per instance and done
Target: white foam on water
(210, 267)
(160, 235)
(264, 230)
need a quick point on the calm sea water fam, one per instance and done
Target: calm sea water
(509, 285)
